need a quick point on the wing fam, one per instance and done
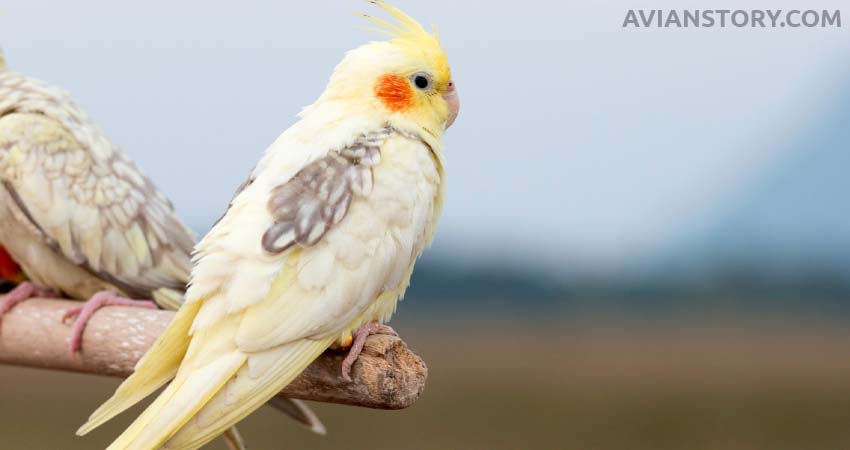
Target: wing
(338, 234)
(93, 206)
(318, 197)
(291, 213)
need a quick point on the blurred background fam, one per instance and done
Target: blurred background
(646, 242)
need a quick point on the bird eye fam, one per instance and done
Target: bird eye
(421, 81)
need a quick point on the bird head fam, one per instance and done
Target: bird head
(406, 80)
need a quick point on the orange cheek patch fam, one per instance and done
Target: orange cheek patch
(394, 92)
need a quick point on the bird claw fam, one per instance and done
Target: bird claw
(23, 292)
(359, 341)
(87, 310)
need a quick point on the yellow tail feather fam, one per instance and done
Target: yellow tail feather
(157, 367)
(168, 298)
(246, 392)
(180, 401)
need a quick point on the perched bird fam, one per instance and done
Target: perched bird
(80, 219)
(76, 214)
(319, 243)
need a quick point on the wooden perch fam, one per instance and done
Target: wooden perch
(386, 376)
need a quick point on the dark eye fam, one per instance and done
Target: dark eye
(421, 81)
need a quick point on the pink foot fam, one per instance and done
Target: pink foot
(360, 337)
(97, 301)
(23, 292)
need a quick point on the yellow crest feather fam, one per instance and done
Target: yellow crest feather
(407, 32)
(409, 24)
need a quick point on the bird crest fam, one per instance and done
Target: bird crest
(410, 35)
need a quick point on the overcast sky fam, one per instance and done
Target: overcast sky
(578, 140)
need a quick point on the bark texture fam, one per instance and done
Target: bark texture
(386, 376)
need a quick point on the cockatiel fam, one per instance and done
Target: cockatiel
(319, 243)
(79, 217)
(76, 214)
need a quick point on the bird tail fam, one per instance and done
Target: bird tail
(2, 60)
(233, 439)
(157, 367)
(160, 364)
(167, 298)
(178, 403)
(299, 411)
(215, 393)
(266, 374)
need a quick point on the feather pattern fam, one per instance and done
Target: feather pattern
(82, 198)
(79, 217)
(318, 197)
(315, 293)
(321, 240)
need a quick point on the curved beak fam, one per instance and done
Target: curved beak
(453, 102)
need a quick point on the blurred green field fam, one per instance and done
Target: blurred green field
(577, 384)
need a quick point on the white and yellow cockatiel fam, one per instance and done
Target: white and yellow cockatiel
(320, 242)
(78, 216)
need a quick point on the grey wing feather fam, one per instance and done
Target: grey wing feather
(318, 197)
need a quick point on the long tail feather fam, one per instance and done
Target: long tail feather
(168, 298)
(299, 411)
(233, 439)
(181, 400)
(157, 367)
(254, 384)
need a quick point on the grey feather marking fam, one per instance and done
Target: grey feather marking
(92, 166)
(318, 197)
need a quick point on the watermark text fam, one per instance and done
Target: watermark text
(738, 18)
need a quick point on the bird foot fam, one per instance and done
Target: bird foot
(23, 292)
(360, 337)
(85, 312)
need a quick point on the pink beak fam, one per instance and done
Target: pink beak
(453, 102)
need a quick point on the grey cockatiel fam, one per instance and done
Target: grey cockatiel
(80, 218)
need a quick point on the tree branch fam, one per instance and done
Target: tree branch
(386, 376)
